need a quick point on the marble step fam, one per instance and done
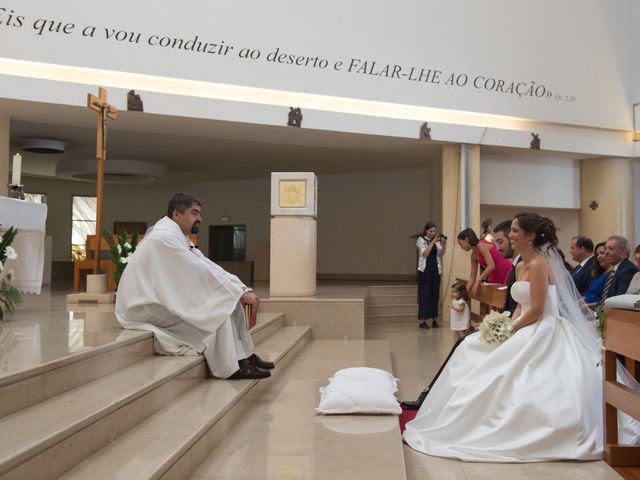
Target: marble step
(49, 438)
(375, 290)
(282, 436)
(173, 442)
(391, 299)
(31, 385)
(390, 318)
(411, 309)
(28, 386)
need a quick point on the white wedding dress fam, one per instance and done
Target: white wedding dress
(536, 397)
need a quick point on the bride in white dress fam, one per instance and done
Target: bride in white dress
(537, 396)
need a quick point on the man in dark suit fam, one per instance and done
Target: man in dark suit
(617, 254)
(501, 238)
(581, 250)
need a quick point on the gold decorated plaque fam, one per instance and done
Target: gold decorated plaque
(292, 194)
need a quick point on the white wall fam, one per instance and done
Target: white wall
(529, 181)
(587, 65)
(364, 219)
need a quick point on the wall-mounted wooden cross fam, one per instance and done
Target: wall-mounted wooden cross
(104, 110)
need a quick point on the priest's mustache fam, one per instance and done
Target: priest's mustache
(195, 228)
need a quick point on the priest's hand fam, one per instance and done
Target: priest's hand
(250, 298)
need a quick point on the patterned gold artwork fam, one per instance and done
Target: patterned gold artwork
(292, 194)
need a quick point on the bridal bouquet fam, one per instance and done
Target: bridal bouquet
(496, 327)
(9, 295)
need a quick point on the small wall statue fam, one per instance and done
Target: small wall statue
(295, 117)
(134, 102)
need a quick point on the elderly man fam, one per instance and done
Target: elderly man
(617, 254)
(581, 251)
(191, 304)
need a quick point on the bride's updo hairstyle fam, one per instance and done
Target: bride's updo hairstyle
(543, 227)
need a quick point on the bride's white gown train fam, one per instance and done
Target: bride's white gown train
(536, 397)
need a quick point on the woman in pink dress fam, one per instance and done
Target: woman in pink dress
(495, 268)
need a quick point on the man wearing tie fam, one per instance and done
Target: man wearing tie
(617, 254)
(581, 250)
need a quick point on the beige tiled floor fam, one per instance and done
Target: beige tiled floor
(44, 328)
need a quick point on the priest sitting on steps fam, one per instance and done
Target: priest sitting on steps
(190, 304)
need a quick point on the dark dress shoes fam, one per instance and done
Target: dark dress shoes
(418, 403)
(248, 371)
(256, 361)
(424, 324)
(435, 324)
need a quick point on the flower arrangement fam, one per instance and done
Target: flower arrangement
(496, 327)
(9, 295)
(121, 249)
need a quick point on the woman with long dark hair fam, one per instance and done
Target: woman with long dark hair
(494, 267)
(431, 248)
(537, 396)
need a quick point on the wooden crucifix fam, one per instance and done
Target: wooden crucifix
(104, 110)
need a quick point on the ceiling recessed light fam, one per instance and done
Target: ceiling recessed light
(43, 145)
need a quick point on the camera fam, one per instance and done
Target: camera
(441, 236)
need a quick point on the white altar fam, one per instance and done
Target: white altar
(30, 219)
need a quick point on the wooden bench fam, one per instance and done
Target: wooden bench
(621, 336)
(106, 264)
(492, 294)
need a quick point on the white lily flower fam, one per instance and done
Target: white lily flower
(119, 248)
(124, 259)
(127, 245)
(11, 253)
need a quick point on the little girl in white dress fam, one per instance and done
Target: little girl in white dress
(459, 310)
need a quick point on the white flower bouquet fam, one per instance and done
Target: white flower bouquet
(121, 250)
(9, 295)
(496, 327)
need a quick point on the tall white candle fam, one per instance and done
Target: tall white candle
(16, 170)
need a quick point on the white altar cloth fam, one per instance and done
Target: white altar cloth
(30, 219)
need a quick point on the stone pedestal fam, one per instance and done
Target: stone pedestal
(293, 249)
(96, 291)
(293, 257)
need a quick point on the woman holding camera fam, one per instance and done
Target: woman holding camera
(431, 248)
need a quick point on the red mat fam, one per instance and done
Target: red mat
(406, 416)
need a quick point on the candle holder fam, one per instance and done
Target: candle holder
(16, 191)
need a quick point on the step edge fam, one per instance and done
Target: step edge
(9, 463)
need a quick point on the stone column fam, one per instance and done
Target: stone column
(4, 155)
(452, 172)
(606, 198)
(293, 235)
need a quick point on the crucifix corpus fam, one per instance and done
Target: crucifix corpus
(104, 110)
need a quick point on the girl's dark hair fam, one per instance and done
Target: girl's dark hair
(470, 235)
(428, 226)
(543, 227)
(596, 269)
(462, 289)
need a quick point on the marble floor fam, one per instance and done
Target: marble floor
(45, 328)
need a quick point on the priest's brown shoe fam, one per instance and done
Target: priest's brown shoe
(249, 372)
(256, 361)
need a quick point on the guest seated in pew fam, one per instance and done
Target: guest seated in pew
(599, 271)
(191, 304)
(617, 254)
(581, 251)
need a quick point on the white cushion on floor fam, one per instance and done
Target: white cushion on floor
(360, 390)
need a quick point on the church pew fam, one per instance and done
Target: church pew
(492, 294)
(621, 336)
